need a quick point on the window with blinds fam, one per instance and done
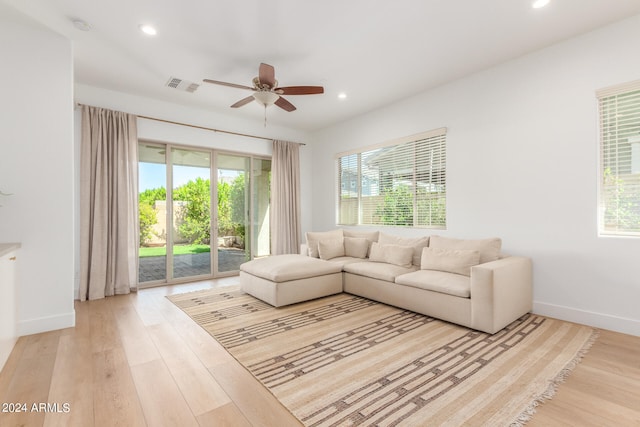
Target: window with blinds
(402, 183)
(619, 180)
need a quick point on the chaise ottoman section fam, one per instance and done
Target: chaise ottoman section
(287, 279)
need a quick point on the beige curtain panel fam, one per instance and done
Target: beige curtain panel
(285, 198)
(108, 199)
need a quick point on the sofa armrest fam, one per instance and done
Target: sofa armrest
(501, 292)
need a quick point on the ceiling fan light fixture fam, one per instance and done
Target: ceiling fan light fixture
(266, 97)
(81, 25)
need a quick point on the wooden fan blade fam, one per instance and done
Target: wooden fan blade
(299, 90)
(243, 101)
(284, 104)
(267, 75)
(215, 82)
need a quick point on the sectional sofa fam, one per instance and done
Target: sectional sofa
(467, 282)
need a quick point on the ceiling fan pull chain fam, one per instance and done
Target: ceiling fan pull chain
(265, 115)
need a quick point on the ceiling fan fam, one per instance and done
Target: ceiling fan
(266, 91)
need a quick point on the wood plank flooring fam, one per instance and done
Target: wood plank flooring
(137, 360)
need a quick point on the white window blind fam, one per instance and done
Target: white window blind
(620, 160)
(402, 183)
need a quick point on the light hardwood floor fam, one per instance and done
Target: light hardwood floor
(137, 360)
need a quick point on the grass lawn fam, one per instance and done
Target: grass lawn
(177, 250)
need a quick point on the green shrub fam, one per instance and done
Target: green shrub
(148, 217)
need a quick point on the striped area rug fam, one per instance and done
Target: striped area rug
(345, 360)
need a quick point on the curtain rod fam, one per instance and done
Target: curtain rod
(203, 127)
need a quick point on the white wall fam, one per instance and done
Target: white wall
(172, 133)
(36, 164)
(522, 164)
(179, 113)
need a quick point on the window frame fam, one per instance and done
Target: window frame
(429, 160)
(604, 98)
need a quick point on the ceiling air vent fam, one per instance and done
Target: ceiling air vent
(182, 85)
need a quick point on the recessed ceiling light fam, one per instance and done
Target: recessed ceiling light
(148, 29)
(81, 25)
(342, 95)
(537, 4)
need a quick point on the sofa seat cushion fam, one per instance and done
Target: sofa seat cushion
(438, 281)
(282, 268)
(344, 260)
(377, 270)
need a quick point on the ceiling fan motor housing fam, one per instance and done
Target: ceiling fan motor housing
(263, 86)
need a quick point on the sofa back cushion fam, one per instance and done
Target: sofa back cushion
(330, 248)
(356, 247)
(417, 243)
(392, 254)
(314, 237)
(489, 248)
(371, 236)
(458, 261)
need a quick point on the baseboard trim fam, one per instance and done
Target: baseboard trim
(598, 320)
(46, 324)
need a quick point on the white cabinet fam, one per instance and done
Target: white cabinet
(8, 292)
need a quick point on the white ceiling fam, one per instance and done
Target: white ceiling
(376, 52)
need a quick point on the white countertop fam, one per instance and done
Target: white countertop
(5, 248)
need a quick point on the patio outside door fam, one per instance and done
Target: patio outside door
(243, 210)
(152, 207)
(191, 207)
(233, 247)
(182, 234)
(260, 202)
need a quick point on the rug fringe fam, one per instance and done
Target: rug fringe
(551, 390)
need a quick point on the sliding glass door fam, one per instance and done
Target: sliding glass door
(183, 235)
(234, 246)
(152, 206)
(243, 185)
(191, 201)
(260, 202)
